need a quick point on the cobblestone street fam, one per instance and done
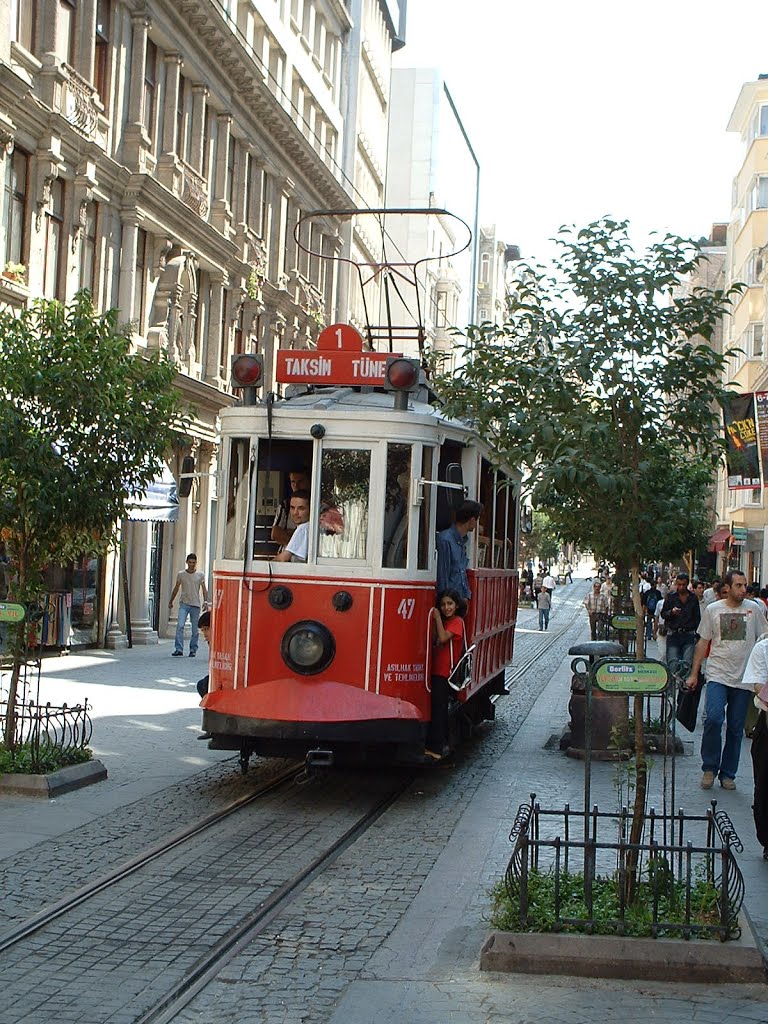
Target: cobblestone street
(392, 930)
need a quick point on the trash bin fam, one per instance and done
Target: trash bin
(609, 710)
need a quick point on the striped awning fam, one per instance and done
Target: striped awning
(719, 539)
(160, 503)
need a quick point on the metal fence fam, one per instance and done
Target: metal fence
(43, 729)
(678, 852)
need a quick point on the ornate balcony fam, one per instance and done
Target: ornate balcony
(194, 190)
(79, 103)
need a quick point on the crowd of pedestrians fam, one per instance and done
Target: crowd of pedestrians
(715, 635)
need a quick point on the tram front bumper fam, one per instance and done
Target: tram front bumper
(312, 701)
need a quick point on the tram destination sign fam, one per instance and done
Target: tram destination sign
(338, 359)
(619, 676)
(297, 367)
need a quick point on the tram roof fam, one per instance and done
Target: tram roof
(344, 399)
(375, 404)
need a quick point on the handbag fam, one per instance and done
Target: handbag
(461, 672)
(688, 707)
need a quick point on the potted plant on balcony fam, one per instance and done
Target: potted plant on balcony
(16, 272)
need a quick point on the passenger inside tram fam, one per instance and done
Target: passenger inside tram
(298, 543)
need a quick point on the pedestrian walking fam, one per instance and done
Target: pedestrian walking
(544, 603)
(728, 632)
(649, 599)
(756, 675)
(597, 610)
(549, 582)
(681, 613)
(191, 583)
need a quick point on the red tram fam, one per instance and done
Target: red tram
(329, 658)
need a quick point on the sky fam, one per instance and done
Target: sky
(579, 108)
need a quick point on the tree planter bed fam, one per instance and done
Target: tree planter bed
(75, 776)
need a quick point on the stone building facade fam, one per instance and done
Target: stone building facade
(161, 153)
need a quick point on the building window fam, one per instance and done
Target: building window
(88, 249)
(150, 89)
(101, 60)
(756, 340)
(53, 285)
(138, 313)
(230, 188)
(441, 309)
(759, 125)
(758, 194)
(15, 205)
(65, 40)
(183, 133)
(263, 201)
(484, 316)
(23, 21)
(251, 193)
(485, 268)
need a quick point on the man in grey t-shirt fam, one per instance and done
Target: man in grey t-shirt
(190, 582)
(728, 631)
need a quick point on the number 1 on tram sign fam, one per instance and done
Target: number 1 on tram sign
(341, 337)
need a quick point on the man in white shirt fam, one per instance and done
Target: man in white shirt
(298, 545)
(733, 626)
(548, 583)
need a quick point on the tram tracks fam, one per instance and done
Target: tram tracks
(28, 927)
(550, 641)
(166, 922)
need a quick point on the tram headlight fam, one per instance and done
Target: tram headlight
(308, 647)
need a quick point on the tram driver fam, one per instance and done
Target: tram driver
(284, 524)
(298, 544)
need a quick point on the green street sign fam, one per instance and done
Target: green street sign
(624, 622)
(11, 612)
(617, 675)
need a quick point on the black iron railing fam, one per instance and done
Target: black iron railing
(43, 729)
(679, 854)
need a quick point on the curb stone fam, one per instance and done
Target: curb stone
(612, 956)
(55, 784)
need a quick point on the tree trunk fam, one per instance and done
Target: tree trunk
(641, 765)
(10, 710)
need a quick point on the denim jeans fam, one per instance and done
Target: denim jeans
(543, 618)
(193, 611)
(723, 704)
(680, 646)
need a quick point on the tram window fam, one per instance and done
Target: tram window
(394, 552)
(426, 538)
(345, 483)
(237, 498)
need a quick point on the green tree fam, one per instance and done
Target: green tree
(84, 426)
(544, 541)
(601, 382)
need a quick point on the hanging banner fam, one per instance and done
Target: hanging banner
(761, 408)
(742, 452)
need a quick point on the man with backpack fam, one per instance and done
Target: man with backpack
(649, 599)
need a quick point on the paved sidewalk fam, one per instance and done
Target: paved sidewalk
(146, 718)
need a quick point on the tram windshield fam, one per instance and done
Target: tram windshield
(394, 554)
(237, 498)
(345, 484)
